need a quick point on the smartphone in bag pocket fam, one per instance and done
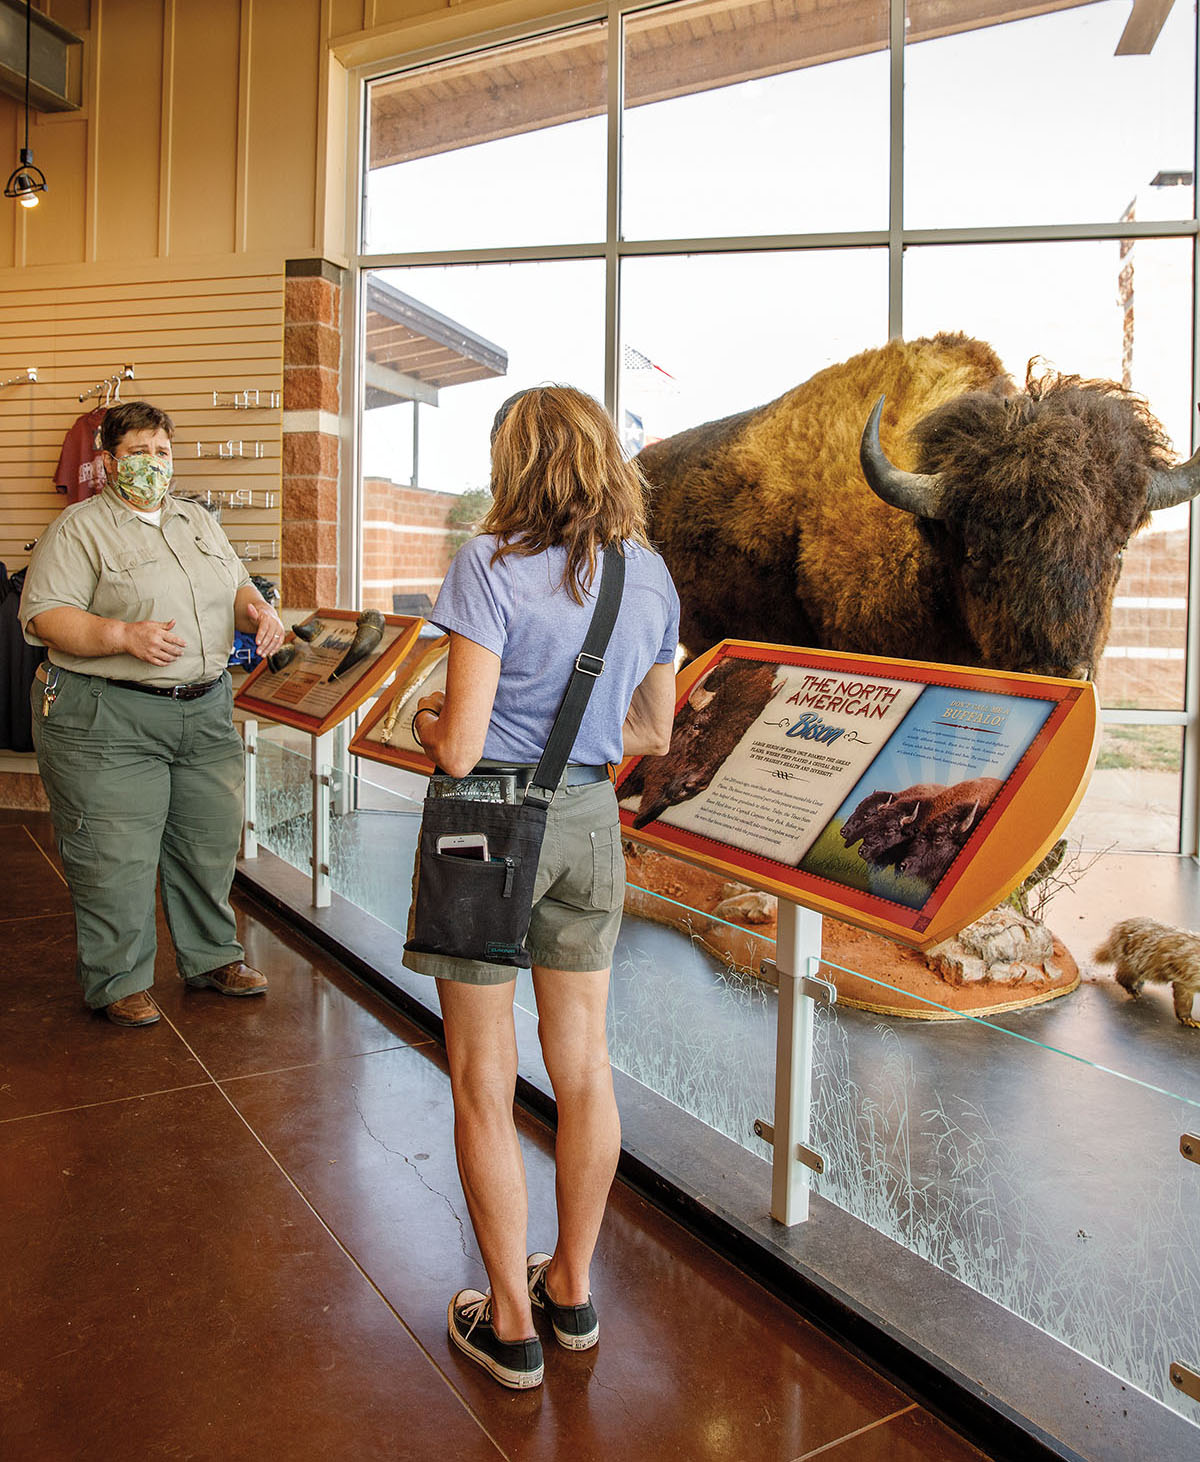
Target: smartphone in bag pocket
(464, 845)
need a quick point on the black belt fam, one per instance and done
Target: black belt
(175, 692)
(575, 776)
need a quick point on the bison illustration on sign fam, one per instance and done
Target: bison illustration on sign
(885, 823)
(949, 821)
(791, 524)
(720, 708)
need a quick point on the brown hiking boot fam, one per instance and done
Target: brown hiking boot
(231, 979)
(135, 1009)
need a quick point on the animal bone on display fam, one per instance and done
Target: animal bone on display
(367, 636)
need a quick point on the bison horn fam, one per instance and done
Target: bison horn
(367, 635)
(1174, 485)
(308, 632)
(698, 698)
(919, 493)
(282, 657)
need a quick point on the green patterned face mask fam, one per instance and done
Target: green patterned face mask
(142, 481)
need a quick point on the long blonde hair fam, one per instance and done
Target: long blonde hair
(559, 478)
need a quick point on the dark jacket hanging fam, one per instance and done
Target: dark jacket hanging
(18, 661)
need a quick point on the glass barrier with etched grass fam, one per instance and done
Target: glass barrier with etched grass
(372, 828)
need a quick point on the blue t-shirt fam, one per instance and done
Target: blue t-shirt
(519, 609)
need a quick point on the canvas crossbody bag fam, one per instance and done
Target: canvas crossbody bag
(473, 898)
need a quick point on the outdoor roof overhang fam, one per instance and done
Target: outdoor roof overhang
(412, 351)
(672, 51)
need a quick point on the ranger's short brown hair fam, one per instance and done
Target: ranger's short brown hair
(132, 416)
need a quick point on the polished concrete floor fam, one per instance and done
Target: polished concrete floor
(233, 1235)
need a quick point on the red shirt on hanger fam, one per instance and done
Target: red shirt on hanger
(80, 470)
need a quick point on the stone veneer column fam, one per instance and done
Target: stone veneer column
(312, 352)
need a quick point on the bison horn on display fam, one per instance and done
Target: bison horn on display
(368, 633)
(973, 524)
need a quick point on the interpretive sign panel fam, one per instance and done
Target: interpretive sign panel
(907, 798)
(386, 731)
(338, 663)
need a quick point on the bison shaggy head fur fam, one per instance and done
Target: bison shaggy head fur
(1043, 491)
(885, 822)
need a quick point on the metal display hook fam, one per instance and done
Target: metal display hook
(110, 385)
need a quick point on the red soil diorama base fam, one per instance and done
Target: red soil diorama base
(870, 972)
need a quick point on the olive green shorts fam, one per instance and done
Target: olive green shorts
(577, 896)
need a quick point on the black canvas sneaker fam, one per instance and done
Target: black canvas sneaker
(575, 1326)
(514, 1363)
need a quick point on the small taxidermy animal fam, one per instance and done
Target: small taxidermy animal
(1143, 949)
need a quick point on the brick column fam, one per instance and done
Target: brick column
(312, 351)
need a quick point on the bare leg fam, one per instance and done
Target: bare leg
(481, 1044)
(571, 1010)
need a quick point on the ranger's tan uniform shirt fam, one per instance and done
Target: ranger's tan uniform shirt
(100, 556)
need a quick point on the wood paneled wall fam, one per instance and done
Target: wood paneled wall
(187, 334)
(202, 133)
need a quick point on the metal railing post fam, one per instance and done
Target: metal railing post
(250, 790)
(797, 957)
(322, 776)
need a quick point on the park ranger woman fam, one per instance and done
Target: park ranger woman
(137, 594)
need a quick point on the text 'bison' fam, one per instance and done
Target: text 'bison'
(1001, 549)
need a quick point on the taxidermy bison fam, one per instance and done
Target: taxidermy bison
(1000, 548)
(720, 708)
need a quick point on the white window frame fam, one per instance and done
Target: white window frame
(612, 250)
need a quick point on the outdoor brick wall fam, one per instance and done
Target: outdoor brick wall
(311, 403)
(1143, 664)
(407, 542)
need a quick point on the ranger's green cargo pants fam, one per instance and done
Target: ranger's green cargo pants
(142, 786)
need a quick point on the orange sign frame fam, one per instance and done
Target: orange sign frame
(392, 745)
(1036, 799)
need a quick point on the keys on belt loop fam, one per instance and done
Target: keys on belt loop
(50, 692)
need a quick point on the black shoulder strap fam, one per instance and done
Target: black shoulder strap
(588, 665)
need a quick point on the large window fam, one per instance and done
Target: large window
(750, 118)
(1063, 117)
(762, 188)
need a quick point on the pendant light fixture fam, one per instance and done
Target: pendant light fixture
(26, 180)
